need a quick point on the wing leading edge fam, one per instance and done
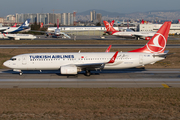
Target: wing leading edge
(90, 66)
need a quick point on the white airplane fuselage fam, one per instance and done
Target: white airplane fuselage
(3, 28)
(134, 34)
(11, 29)
(54, 61)
(18, 36)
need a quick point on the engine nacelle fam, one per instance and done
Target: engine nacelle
(68, 70)
(16, 38)
(147, 38)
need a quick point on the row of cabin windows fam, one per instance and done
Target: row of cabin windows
(78, 59)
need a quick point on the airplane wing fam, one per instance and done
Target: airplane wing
(3, 29)
(52, 33)
(145, 36)
(91, 66)
(139, 35)
(65, 34)
(97, 65)
(150, 34)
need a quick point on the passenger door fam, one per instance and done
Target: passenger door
(24, 60)
(140, 59)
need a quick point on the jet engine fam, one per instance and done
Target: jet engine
(16, 38)
(68, 70)
(147, 38)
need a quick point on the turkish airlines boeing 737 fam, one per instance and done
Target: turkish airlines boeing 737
(72, 63)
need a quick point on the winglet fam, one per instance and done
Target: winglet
(113, 58)
(108, 49)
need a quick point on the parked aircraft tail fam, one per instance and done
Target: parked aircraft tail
(41, 25)
(112, 23)
(25, 24)
(14, 25)
(109, 28)
(158, 42)
(142, 21)
(57, 23)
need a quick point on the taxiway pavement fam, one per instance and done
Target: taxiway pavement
(128, 78)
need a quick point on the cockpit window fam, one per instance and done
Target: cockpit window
(13, 59)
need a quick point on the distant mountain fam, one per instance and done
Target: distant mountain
(164, 11)
(150, 15)
(103, 13)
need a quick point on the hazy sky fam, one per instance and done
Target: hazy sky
(60, 6)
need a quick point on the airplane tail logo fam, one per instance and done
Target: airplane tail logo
(158, 41)
(25, 24)
(109, 28)
(112, 23)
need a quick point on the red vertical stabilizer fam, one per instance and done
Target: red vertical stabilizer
(112, 23)
(57, 23)
(109, 28)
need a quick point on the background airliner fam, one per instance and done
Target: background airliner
(18, 36)
(57, 33)
(72, 63)
(24, 26)
(128, 34)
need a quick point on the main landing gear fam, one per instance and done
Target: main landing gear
(88, 73)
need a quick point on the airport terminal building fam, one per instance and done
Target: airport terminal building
(86, 28)
(175, 28)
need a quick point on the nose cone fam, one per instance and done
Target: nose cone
(7, 63)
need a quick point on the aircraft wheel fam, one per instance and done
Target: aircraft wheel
(20, 73)
(88, 73)
(137, 38)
